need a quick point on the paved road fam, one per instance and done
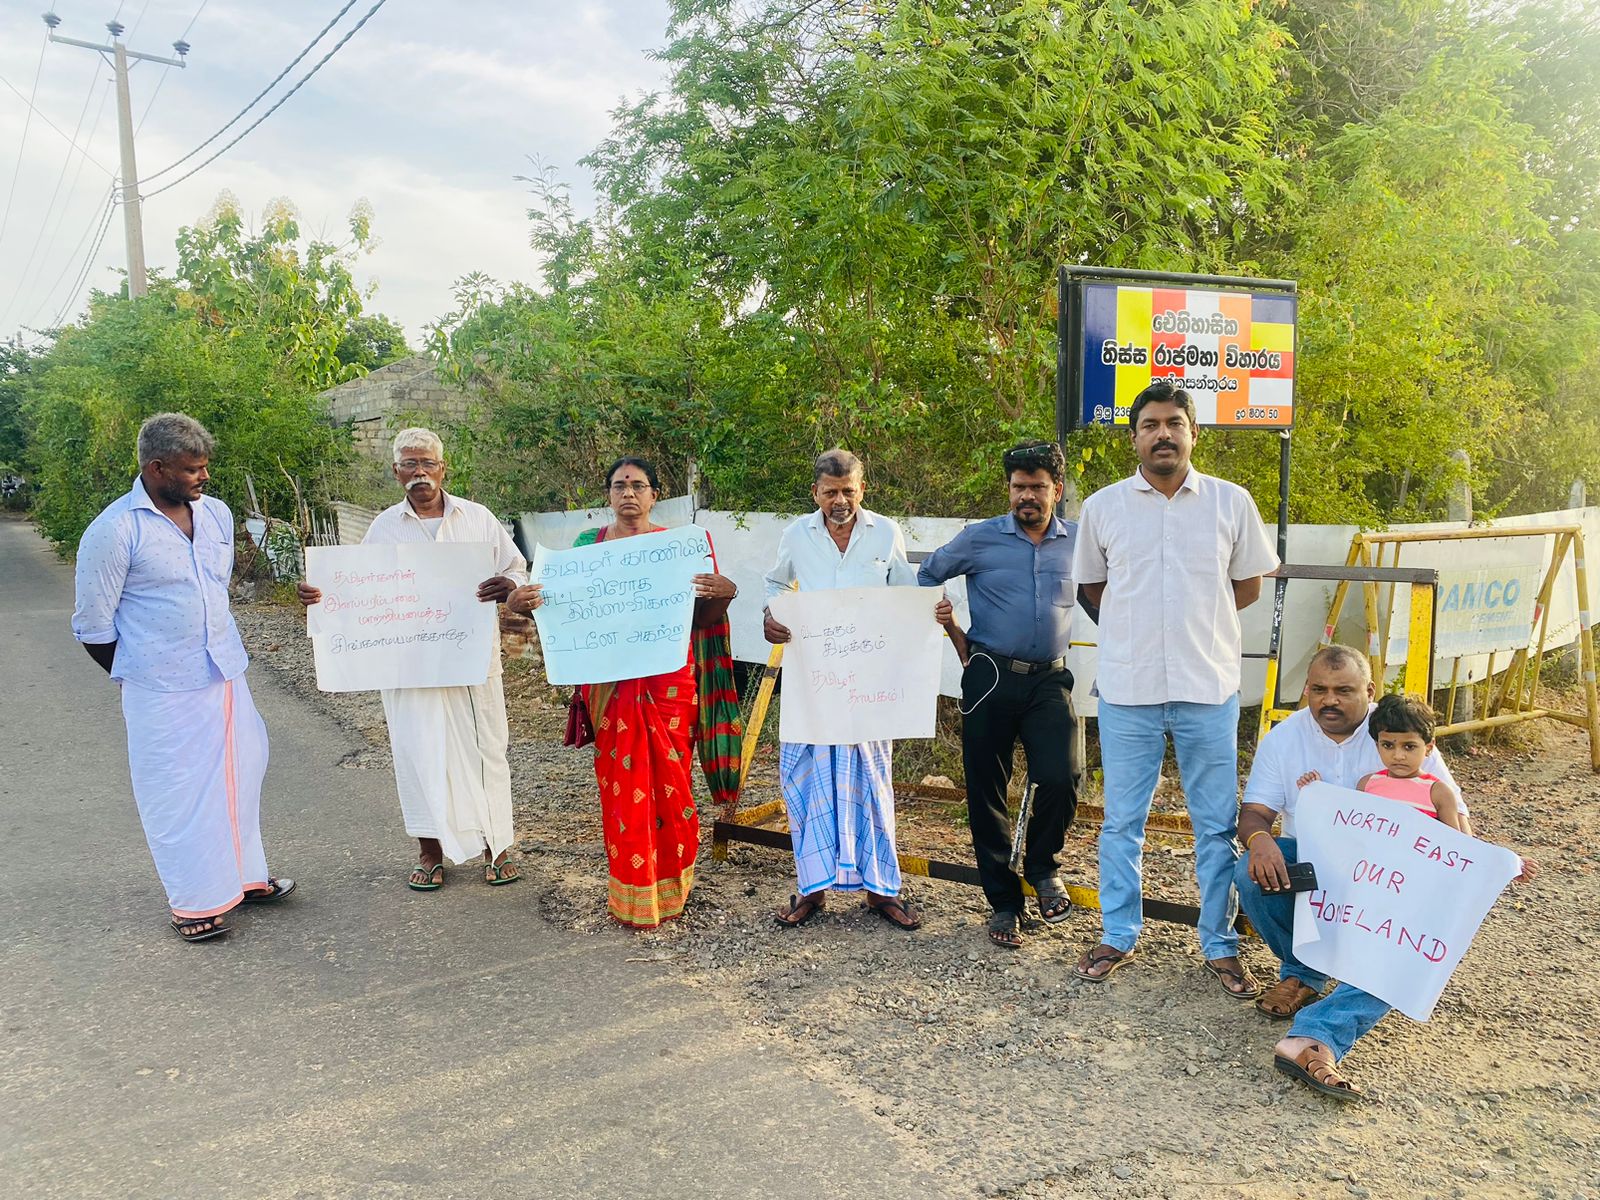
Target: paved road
(362, 1040)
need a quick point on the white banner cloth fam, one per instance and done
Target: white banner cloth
(1400, 894)
(619, 609)
(400, 616)
(862, 664)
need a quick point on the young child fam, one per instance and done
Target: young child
(1402, 726)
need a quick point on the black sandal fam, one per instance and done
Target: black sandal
(196, 927)
(275, 890)
(1055, 905)
(888, 906)
(1005, 929)
(800, 909)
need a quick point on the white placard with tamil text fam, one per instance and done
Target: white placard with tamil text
(619, 609)
(862, 664)
(1400, 894)
(400, 616)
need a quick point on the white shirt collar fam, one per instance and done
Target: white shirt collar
(1190, 481)
(450, 506)
(818, 521)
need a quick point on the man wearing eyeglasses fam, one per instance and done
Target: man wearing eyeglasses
(449, 744)
(1016, 684)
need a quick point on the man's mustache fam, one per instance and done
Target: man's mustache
(419, 481)
(1173, 446)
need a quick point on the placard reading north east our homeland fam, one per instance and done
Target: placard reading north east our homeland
(619, 609)
(400, 616)
(1400, 894)
(861, 665)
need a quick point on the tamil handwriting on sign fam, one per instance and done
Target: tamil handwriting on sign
(619, 609)
(862, 664)
(1399, 898)
(394, 616)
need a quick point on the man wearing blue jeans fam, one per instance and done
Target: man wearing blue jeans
(1170, 556)
(1326, 740)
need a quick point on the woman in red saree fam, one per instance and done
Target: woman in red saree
(645, 731)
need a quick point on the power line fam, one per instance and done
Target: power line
(109, 172)
(354, 29)
(88, 263)
(165, 71)
(72, 263)
(263, 92)
(193, 19)
(50, 205)
(26, 125)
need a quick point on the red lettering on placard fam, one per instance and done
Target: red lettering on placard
(1450, 859)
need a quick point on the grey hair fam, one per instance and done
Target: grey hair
(418, 438)
(1338, 656)
(167, 435)
(836, 464)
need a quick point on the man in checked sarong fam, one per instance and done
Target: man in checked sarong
(840, 798)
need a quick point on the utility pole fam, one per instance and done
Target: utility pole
(132, 216)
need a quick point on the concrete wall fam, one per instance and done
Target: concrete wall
(380, 404)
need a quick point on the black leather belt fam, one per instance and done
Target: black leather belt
(1022, 666)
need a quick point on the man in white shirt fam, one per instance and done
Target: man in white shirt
(1326, 740)
(152, 609)
(1169, 556)
(840, 798)
(449, 744)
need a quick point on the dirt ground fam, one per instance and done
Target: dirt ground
(1023, 1082)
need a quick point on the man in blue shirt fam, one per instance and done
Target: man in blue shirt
(152, 610)
(1016, 683)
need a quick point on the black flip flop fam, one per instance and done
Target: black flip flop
(892, 904)
(217, 929)
(275, 890)
(813, 904)
(1117, 959)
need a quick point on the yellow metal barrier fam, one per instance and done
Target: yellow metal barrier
(1515, 697)
(1418, 672)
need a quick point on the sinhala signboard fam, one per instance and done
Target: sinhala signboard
(1232, 351)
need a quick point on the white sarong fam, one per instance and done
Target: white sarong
(450, 767)
(197, 759)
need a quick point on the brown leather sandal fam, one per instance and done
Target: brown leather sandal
(1315, 1068)
(1285, 998)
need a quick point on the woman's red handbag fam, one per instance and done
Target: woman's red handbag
(580, 730)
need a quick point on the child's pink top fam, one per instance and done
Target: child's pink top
(1416, 791)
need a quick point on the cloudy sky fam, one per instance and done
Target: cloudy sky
(426, 113)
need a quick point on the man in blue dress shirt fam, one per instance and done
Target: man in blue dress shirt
(1016, 683)
(152, 610)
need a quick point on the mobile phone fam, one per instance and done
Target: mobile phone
(1302, 877)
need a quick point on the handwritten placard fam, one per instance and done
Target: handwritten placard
(862, 664)
(619, 609)
(400, 616)
(1400, 897)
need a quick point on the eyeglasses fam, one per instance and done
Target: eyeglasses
(411, 464)
(630, 489)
